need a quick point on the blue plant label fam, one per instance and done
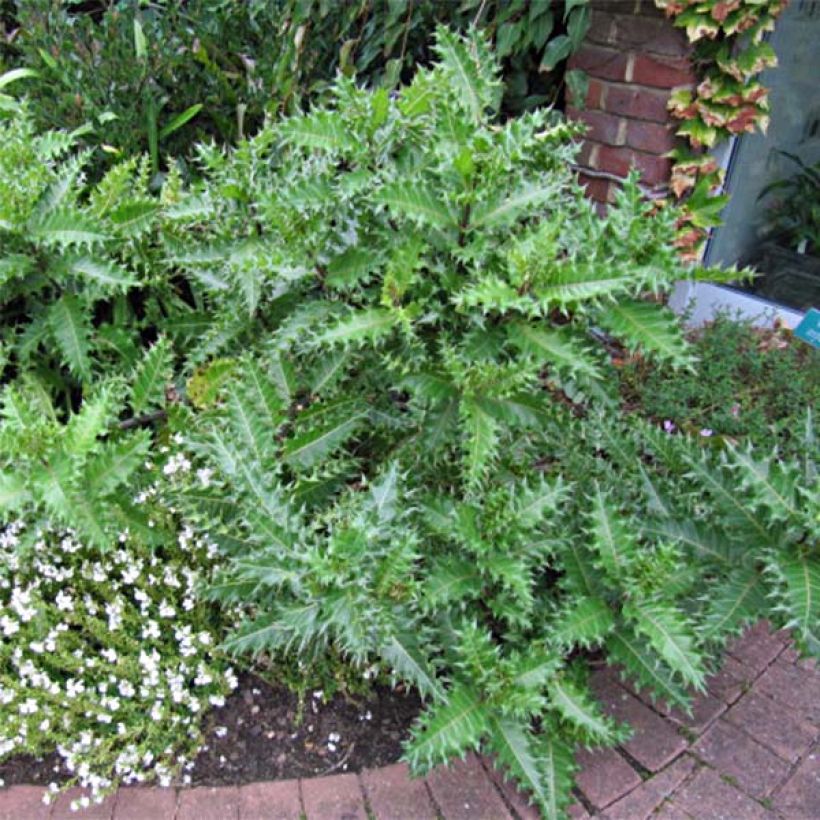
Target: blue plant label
(809, 328)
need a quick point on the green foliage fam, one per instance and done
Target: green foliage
(384, 330)
(152, 77)
(749, 386)
(430, 281)
(109, 657)
(765, 511)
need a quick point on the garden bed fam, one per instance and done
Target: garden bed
(263, 733)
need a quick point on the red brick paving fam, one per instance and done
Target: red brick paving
(207, 803)
(604, 776)
(773, 725)
(750, 750)
(795, 687)
(709, 797)
(279, 800)
(135, 803)
(392, 795)
(643, 800)
(464, 791)
(655, 741)
(23, 801)
(800, 796)
(734, 754)
(338, 797)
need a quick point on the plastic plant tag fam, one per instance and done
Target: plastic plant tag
(809, 328)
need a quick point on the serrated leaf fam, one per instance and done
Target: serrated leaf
(800, 594)
(68, 229)
(583, 623)
(13, 492)
(668, 632)
(575, 705)
(511, 207)
(102, 272)
(308, 448)
(447, 729)
(323, 130)
(648, 327)
(611, 540)
(733, 602)
(116, 462)
(624, 647)
(512, 742)
(418, 202)
(480, 431)
(151, 377)
(403, 654)
(70, 329)
(85, 427)
(134, 217)
(474, 87)
(356, 328)
(560, 348)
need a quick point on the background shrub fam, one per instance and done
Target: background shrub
(133, 71)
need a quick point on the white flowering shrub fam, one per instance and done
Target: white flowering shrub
(107, 656)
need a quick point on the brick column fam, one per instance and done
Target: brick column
(634, 58)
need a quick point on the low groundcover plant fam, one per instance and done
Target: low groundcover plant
(108, 654)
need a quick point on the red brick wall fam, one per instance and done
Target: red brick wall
(634, 58)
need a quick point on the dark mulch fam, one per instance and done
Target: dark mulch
(265, 740)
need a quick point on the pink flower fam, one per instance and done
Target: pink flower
(735, 411)
(706, 432)
(669, 426)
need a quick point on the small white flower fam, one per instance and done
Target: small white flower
(205, 474)
(64, 602)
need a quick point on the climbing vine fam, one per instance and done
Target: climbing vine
(730, 53)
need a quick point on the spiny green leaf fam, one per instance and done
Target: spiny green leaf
(575, 705)
(68, 229)
(418, 202)
(102, 272)
(584, 623)
(642, 665)
(403, 654)
(733, 602)
(558, 347)
(117, 462)
(800, 596)
(307, 449)
(151, 377)
(448, 729)
(70, 329)
(512, 742)
(13, 492)
(357, 328)
(510, 207)
(649, 327)
(323, 130)
(669, 634)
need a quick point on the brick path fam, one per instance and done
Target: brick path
(751, 750)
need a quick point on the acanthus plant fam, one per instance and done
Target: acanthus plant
(430, 289)
(395, 315)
